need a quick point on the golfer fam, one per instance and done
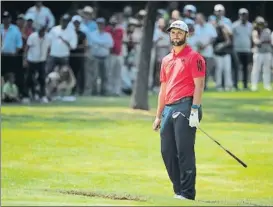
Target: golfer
(182, 78)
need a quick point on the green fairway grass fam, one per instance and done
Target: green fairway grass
(97, 151)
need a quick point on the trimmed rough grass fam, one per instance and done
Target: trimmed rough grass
(97, 151)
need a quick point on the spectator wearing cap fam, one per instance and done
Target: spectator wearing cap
(11, 42)
(262, 54)
(141, 16)
(189, 12)
(77, 58)
(116, 59)
(206, 35)
(130, 42)
(137, 36)
(88, 26)
(102, 42)
(83, 28)
(36, 53)
(138, 32)
(88, 14)
(20, 21)
(63, 39)
(42, 16)
(219, 16)
(24, 28)
(242, 43)
(127, 14)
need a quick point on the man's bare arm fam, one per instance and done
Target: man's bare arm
(161, 100)
(255, 38)
(198, 91)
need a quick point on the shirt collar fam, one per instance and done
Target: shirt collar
(182, 52)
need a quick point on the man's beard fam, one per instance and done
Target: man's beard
(179, 43)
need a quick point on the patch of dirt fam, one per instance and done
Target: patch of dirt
(239, 203)
(111, 196)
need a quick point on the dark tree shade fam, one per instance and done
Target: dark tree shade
(140, 93)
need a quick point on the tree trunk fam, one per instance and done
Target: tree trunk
(139, 98)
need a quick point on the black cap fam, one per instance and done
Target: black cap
(6, 14)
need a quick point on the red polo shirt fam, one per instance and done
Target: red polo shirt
(117, 35)
(179, 71)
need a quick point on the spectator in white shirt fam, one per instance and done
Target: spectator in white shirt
(206, 35)
(63, 39)
(262, 54)
(37, 49)
(42, 16)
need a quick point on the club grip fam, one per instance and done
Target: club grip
(236, 158)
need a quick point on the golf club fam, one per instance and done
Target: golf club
(176, 114)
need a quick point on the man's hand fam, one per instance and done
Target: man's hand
(66, 42)
(194, 119)
(156, 124)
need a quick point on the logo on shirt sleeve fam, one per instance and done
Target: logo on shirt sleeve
(199, 65)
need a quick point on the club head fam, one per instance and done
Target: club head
(175, 115)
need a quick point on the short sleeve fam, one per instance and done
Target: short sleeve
(162, 73)
(29, 40)
(198, 66)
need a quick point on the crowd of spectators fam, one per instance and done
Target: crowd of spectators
(44, 59)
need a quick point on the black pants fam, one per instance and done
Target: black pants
(177, 148)
(210, 64)
(156, 74)
(56, 61)
(8, 63)
(14, 64)
(77, 65)
(34, 68)
(9, 100)
(243, 60)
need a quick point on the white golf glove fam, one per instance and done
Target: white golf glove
(193, 119)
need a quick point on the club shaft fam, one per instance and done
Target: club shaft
(231, 154)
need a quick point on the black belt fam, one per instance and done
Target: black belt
(181, 100)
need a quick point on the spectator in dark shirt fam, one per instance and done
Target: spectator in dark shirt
(77, 57)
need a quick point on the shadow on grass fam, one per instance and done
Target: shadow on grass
(77, 118)
(82, 102)
(23, 119)
(230, 110)
(222, 110)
